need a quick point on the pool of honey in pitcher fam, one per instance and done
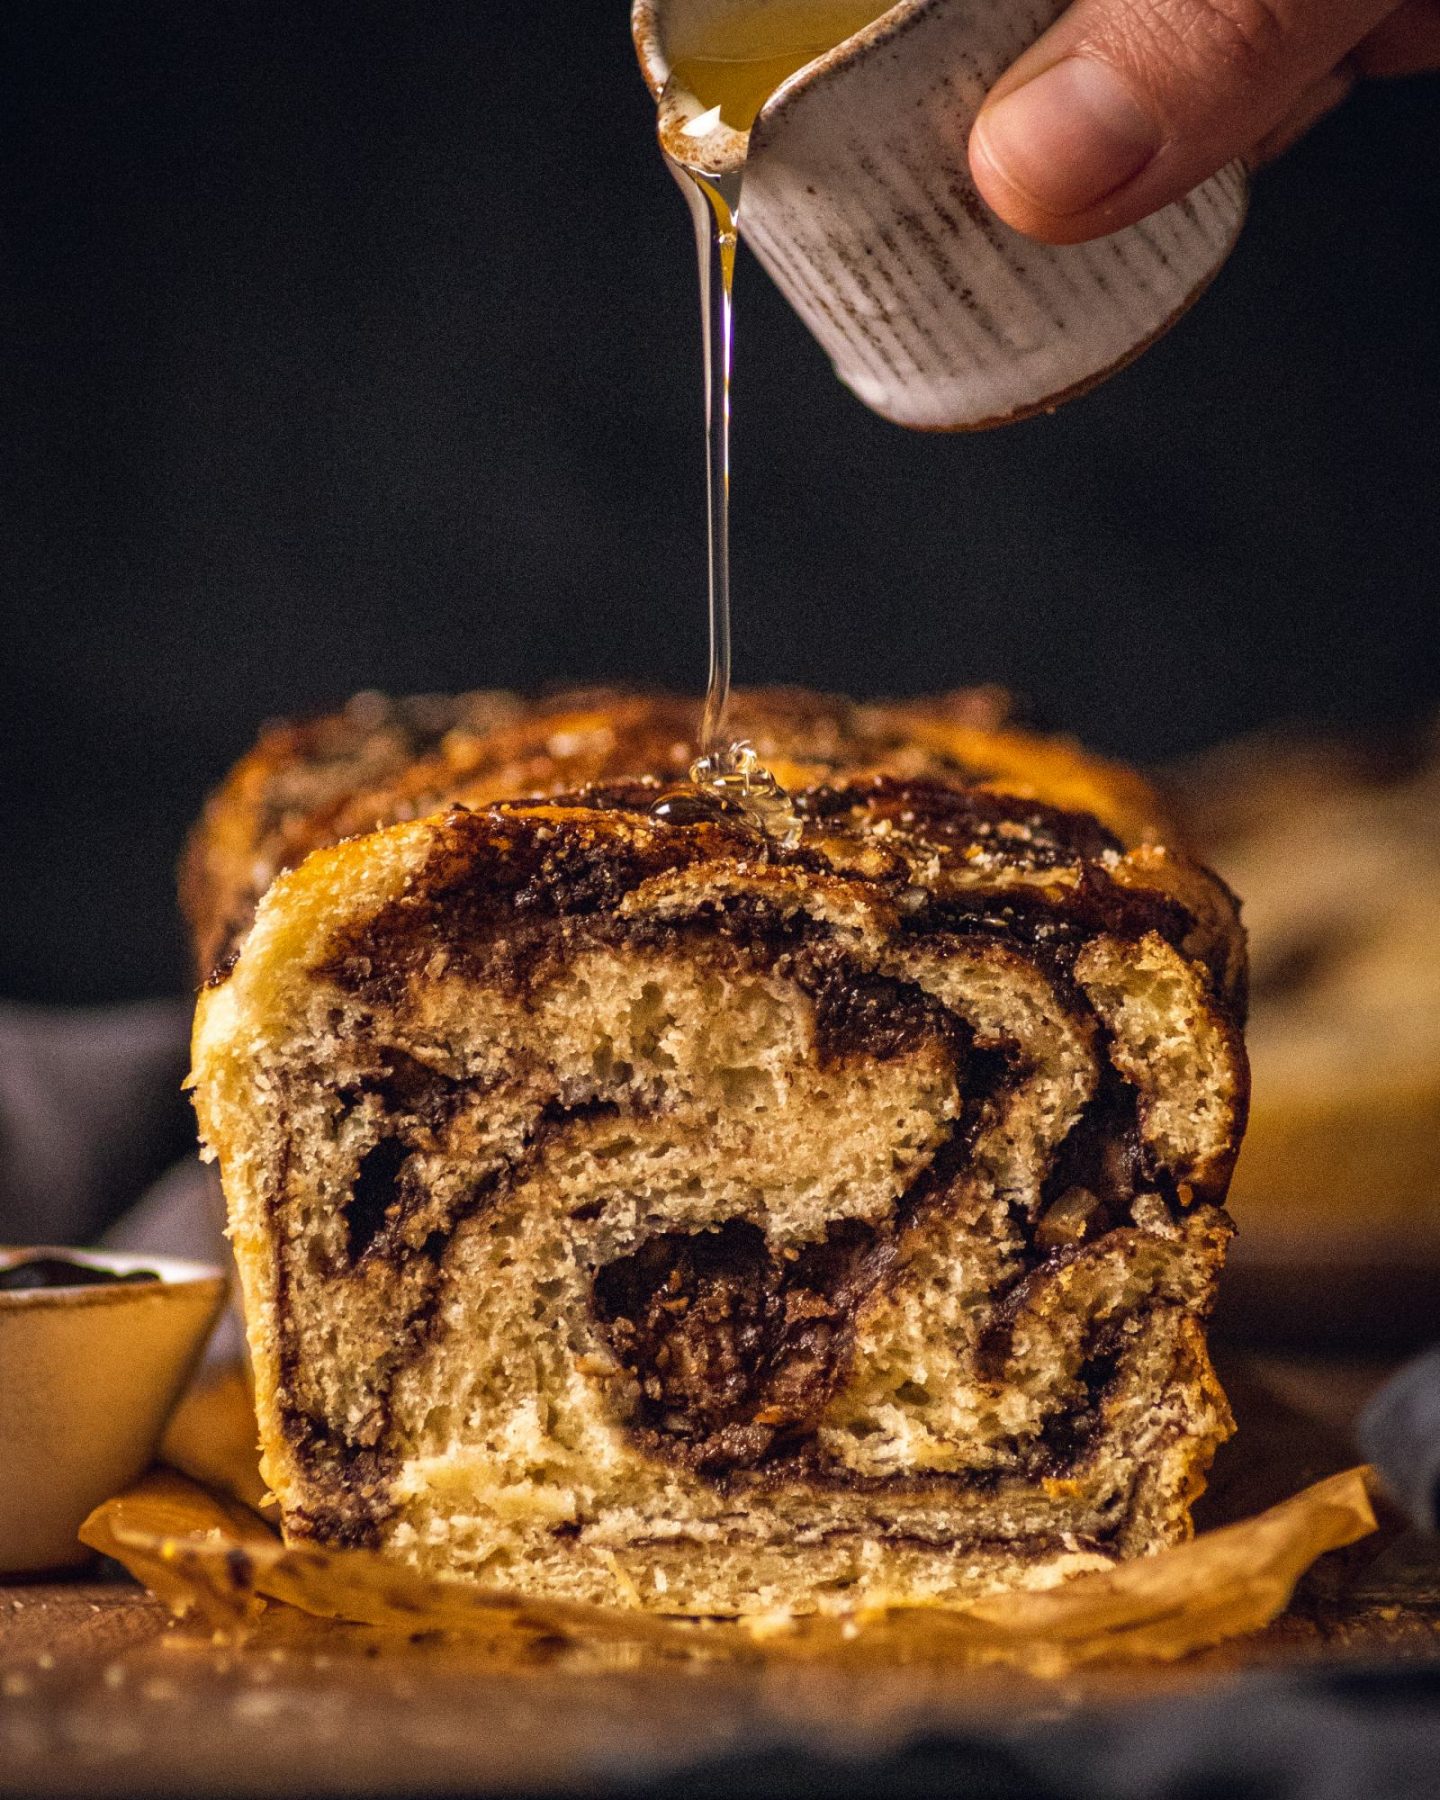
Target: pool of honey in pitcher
(747, 52)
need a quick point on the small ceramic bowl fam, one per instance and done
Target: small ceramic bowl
(88, 1376)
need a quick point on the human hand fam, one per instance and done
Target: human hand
(1125, 105)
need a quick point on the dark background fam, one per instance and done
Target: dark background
(356, 345)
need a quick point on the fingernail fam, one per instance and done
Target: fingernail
(1069, 137)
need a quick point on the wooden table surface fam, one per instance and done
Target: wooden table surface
(100, 1693)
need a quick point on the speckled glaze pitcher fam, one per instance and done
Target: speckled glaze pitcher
(859, 202)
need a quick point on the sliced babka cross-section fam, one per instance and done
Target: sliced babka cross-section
(639, 1210)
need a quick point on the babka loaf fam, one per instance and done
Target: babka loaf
(1335, 843)
(629, 1207)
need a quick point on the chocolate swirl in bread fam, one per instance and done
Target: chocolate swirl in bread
(630, 1208)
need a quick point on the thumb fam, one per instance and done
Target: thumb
(1125, 105)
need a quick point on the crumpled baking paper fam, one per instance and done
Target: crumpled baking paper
(195, 1542)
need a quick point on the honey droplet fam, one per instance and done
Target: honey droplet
(733, 783)
(693, 806)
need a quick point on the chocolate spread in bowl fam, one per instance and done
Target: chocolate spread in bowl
(60, 1272)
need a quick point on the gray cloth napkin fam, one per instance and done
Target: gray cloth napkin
(91, 1113)
(1399, 1432)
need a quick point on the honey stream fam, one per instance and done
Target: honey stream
(750, 52)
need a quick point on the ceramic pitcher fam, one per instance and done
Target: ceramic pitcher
(858, 201)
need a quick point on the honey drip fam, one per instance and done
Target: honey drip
(749, 54)
(728, 773)
(715, 208)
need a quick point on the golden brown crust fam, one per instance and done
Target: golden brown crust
(378, 762)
